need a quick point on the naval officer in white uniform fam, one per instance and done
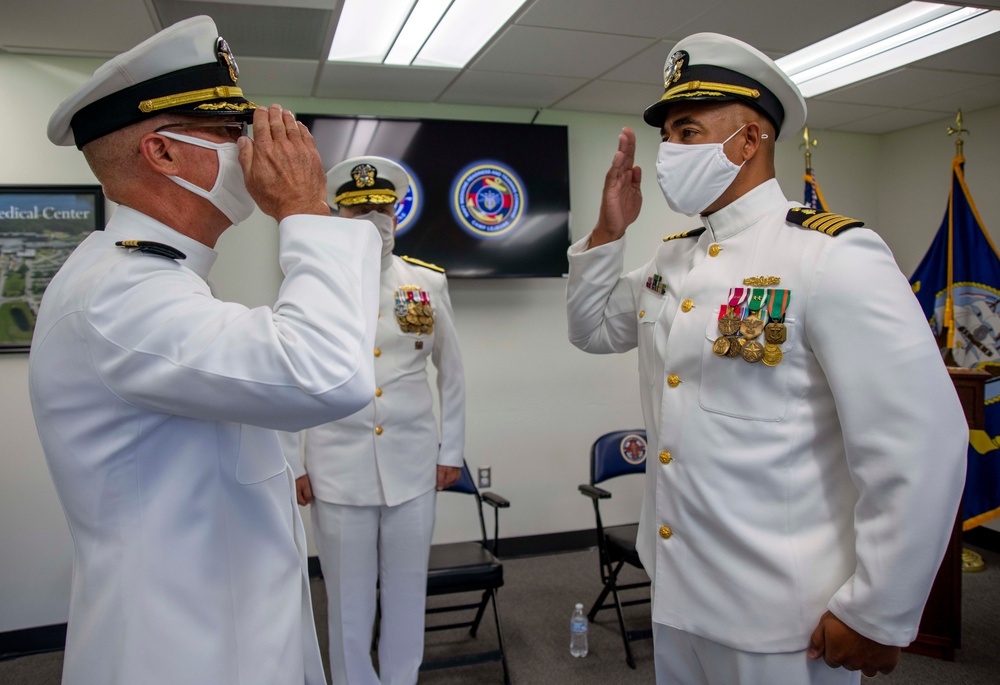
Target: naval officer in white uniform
(371, 477)
(156, 403)
(811, 447)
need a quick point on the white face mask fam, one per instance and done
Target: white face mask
(229, 194)
(694, 176)
(386, 229)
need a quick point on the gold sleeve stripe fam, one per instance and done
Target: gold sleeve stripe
(168, 101)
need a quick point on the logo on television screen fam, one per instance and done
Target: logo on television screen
(409, 206)
(488, 199)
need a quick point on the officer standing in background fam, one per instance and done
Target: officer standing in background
(156, 403)
(811, 444)
(371, 477)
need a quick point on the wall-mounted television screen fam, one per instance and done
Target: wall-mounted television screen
(486, 200)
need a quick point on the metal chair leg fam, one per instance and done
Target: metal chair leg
(503, 649)
(613, 582)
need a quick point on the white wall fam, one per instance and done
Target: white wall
(535, 402)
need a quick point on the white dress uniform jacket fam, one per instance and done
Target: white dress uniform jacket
(155, 404)
(388, 452)
(828, 481)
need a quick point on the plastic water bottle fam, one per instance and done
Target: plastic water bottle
(578, 632)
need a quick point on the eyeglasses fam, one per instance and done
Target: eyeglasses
(228, 129)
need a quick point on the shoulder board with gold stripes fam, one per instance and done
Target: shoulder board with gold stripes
(686, 234)
(150, 247)
(824, 222)
(426, 265)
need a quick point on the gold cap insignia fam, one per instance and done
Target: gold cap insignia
(672, 70)
(226, 58)
(364, 175)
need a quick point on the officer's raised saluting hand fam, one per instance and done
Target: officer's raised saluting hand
(622, 197)
(281, 166)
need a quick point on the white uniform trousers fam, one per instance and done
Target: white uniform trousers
(685, 659)
(359, 546)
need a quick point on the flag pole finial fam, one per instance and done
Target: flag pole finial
(809, 144)
(958, 130)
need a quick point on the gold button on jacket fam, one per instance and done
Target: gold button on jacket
(378, 392)
(378, 430)
(665, 457)
(378, 352)
(673, 380)
(714, 250)
(687, 305)
(665, 532)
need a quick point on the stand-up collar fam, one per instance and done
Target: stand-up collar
(744, 212)
(128, 224)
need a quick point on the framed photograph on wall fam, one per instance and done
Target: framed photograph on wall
(39, 227)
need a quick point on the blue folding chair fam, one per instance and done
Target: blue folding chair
(612, 455)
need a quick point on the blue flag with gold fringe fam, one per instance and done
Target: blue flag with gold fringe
(958, 287)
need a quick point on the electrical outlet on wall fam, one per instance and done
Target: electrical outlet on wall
(485, 478)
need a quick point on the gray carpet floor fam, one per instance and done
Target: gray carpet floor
(536, 603)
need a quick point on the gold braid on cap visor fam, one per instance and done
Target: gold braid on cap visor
(168, 101)
(693, 88)
(382, 196)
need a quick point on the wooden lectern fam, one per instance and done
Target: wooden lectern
(940, 632)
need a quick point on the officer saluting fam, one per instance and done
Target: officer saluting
(812, 447)
(156, 403)
(374, 473)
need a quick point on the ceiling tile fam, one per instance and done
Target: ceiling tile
(831, 114)
(258, 30)
(890, 121)
(967, 100)
(646, 67)
(74, 28)
(612, 97)
(906, 87)
(978, 57)
(379, 82)
(277, 76)
(510, 90)
(555, 52)
(648, 18)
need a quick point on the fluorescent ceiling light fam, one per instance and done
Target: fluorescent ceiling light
(904, 35)
(423, 20)
(439, 33)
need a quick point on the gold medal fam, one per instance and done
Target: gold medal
(735, 347)
(752, 351)
(751, 326)
(721, 346)
(775, 333)
(729, 324)
(772, 355)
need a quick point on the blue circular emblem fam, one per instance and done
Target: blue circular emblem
(409, 206)
(633, 449)
(488, 199)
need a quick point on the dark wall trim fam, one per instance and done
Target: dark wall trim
(27, 641)
(524, 546)
(983, 537)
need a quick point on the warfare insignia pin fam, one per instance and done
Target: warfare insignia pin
(364, 175)
(672, 71)
(226, 59)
